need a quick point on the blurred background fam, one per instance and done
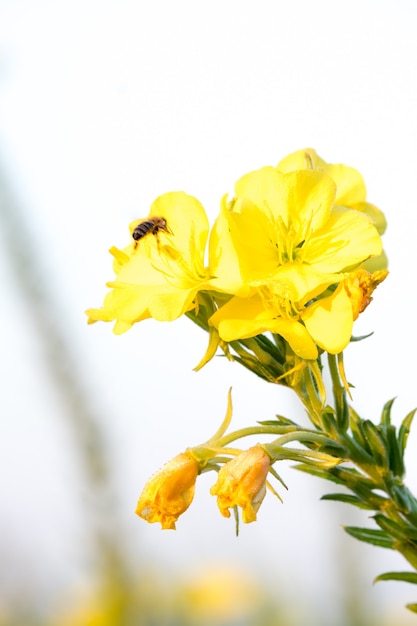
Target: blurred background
(104, 106)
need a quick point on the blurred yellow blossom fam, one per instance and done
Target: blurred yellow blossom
(242, 482)
(169, 492)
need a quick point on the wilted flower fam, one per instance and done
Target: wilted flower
(242, 482)
(360, 285)
(169, 492)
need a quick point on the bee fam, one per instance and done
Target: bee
(152, 225)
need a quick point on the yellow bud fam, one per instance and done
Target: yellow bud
(169, 492)
(242, 482)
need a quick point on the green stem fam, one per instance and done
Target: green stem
(253, 430)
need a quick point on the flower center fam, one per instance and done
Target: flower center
(178, 272)
(289, 240)
(277, 298)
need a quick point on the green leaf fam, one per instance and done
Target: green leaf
(285, 420)
(361, 337)
(396, 462)
(348, 499)
(278, 428)
(411, 607)
(404, 500)
(370, 535)
(407, 577)
(405, 429)
(356, 428)
(386, 412)
(271, 348)
(328, 421)
(318, 472)
(377, 444)
(403, 532)
(408, 550)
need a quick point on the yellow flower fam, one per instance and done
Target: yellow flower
(242, 482)
(159, 275)
(169, 492)
(284, 228)
(290, 244)
(350, 191)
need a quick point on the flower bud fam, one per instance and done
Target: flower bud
(242, 482)
(169, 492)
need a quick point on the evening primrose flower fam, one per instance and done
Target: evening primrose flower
(293, 248)
(285, 228)
(350, 191)
(159, 275)
(242, 482)
(169, 492)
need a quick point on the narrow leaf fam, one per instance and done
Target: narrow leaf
(396, 463)
(361, 337)
(404, 500)
(369, 535)
(356, 428)
(405, 429)
(403, 532)
(318, 472)
(407, 577)
(386, 412)
(348, 499)
(376, 442)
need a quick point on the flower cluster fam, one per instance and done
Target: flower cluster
(291, 260)
(281, 256)
(241, 474)
(241, 482)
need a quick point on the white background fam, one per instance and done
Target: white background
(103, 107)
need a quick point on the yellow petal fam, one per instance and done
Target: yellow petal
(301, 160)
(170, 304)
(224, 262)
(241, 318)
(303, 198)
(187, 220)
(242, 482)
(377, 216)
(169, 492)
(330, 321)
(248, 244)
(309, 198)
(348, 238)
(265, 189)
(349, 182)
